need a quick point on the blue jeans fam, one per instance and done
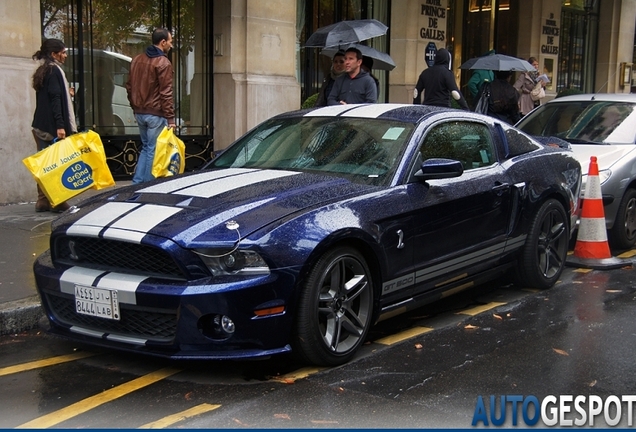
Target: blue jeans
(150, 126)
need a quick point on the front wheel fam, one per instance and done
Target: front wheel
(544, 253)
(623, 233)
(335, 308)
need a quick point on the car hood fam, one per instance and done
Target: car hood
(204, 207)
(607, 154)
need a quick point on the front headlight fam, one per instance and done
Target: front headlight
(603, 176)
(236, 262)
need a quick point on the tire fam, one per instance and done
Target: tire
(623, 234)
(335, 308)
(544, 253)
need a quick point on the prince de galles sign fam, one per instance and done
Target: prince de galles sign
(433, 20)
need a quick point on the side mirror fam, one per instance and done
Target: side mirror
(433, 169)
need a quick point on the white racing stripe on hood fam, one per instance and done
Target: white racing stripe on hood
(92, 224)
(226, 184)
(136, 224)
(189, 181)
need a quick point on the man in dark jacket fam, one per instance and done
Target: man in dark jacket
(438, 84)
(149, 89)
(355, 85)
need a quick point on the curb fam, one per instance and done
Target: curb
(20, 315)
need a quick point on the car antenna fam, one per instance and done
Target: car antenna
(599, 90)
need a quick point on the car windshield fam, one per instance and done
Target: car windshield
(584, 122)
(363, 150)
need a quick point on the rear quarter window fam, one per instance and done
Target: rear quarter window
(519, 143)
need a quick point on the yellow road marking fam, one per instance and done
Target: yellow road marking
(298, 374)
(479, 309)
(175, 418)
(628, 254)
(404, 335)
(43, 363)
(87, 404)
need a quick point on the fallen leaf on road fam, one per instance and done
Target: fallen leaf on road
(418, 346)
(282, 416)
(188, 396)
(470, 327)
(592, 384)
(497, 316)
(613, 291)
(237, 421)
(560, 351)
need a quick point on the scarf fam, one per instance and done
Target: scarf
(71, 112)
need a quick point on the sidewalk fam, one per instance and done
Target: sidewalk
(24, 234)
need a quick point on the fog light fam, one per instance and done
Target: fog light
(226, 324)
(216, 326)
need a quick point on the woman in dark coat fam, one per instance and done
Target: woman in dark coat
(54, 117)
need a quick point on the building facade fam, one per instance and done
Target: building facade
(239, 62)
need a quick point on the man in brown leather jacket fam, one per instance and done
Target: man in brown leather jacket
(149, 89)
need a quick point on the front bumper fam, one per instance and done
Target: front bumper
(167, 318)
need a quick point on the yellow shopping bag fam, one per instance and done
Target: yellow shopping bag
(70, 166)
(169, 155)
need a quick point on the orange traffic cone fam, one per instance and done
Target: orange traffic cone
(592, 249)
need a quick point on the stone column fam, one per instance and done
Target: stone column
(20, 23)
(254, 64)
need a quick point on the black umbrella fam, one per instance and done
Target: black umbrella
(346, 32)
(381, 60)
(498, 62)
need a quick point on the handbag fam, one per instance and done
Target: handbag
(169, 155)
(70, 166)
(484, 99)
(537, 92)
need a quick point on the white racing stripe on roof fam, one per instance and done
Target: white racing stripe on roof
(184, 182)
(92, 223)
(219, 186)
(136, 224)
(125, 284)
(371, 111)
(328, 111)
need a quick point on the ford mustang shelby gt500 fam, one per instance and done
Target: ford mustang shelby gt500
(306, 231)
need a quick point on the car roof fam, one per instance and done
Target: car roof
(389, 111)
(611, 97)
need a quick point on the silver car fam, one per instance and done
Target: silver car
(601, 125)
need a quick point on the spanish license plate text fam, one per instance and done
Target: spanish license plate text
(97, 302)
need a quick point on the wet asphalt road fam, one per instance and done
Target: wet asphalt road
(577, 338)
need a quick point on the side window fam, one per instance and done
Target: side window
(518, 143)
(468, 142)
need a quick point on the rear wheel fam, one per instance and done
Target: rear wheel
(335, 308)
(544, 253)
(623, 234)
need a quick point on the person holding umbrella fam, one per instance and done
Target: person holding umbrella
(355, 85)
(438, 84)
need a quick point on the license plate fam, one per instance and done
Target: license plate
(97, 302)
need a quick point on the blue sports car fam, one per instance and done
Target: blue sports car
(308, 230)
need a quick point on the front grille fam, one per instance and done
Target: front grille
(156, 325)
(113, 255)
